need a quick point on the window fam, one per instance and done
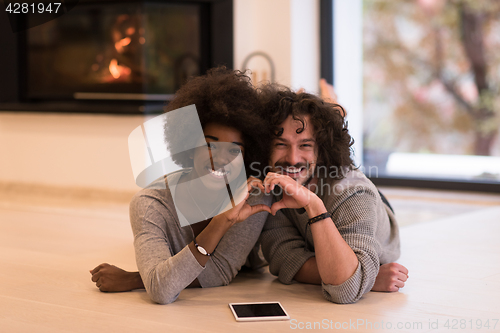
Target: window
(430, 86)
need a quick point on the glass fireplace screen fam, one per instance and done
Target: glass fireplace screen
(135, 51)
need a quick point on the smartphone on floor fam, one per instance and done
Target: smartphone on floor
(258, 311)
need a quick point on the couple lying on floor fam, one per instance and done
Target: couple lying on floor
(284, 157)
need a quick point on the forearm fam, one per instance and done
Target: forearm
(135, 281)
(209, 238)
(308, 273)
(194, 284)
(335, 259)
(284, 248)
(166, 269)
(232, 251)
(165, 277)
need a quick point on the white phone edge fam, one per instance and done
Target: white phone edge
(287, 317)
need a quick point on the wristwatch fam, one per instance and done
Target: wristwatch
(201, 249)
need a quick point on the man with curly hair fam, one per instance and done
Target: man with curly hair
(330, 225)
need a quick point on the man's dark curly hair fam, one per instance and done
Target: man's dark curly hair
(224, 97)
(329, 126)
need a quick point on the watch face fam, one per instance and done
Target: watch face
(202, 250)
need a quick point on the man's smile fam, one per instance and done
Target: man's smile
(292, 171)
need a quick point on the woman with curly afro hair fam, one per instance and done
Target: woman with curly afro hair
(185, 233)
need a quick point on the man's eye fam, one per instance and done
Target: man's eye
(211, 145)
(279, 144)
(307, 145)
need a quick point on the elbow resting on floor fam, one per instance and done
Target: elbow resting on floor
(162, 299)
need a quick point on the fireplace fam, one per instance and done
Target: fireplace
(116, 56)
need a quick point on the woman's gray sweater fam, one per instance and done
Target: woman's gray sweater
(165, 262)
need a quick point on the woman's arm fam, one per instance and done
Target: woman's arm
(232, 251)
(164, 272)
(165, 275)
(110, 278)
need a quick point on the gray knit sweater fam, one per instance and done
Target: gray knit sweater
(165, 262)
(363, 220)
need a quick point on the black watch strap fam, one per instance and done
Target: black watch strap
(319, 218)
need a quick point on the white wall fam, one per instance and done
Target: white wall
(67, 150)
(263, 25)
(83, 150)
(286, 30)
(348, 67)
(305, 46)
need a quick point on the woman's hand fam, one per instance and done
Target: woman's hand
(111, 278)
(294, 194)
(243, 210)
(238, 211)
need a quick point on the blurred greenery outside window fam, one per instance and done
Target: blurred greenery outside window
(431, 85)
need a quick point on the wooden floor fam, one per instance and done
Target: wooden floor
(46, 251)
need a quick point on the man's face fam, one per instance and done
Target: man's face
(294, 154)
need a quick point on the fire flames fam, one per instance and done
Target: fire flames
(118, 71)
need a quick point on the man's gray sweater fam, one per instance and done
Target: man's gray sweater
(363, 220)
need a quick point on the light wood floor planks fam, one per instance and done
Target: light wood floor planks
(46, 252)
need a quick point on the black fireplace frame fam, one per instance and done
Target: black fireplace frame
(13, 51)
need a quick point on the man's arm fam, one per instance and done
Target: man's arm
(283, 247)
(335, 259)
(347, 253)
(390, 278)
(308, 273)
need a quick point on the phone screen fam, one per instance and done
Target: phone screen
(259, 310)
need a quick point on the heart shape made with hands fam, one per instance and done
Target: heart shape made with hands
(294, 194)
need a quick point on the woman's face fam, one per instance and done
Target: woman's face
(223, 160)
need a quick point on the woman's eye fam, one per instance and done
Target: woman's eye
(235, 151)
(280, 145)
(211, 145)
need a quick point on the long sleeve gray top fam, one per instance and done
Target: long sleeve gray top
(363, 220)
(165, 262)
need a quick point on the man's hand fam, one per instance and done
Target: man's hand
(294, 194)
(111, 278)
(390, 277)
